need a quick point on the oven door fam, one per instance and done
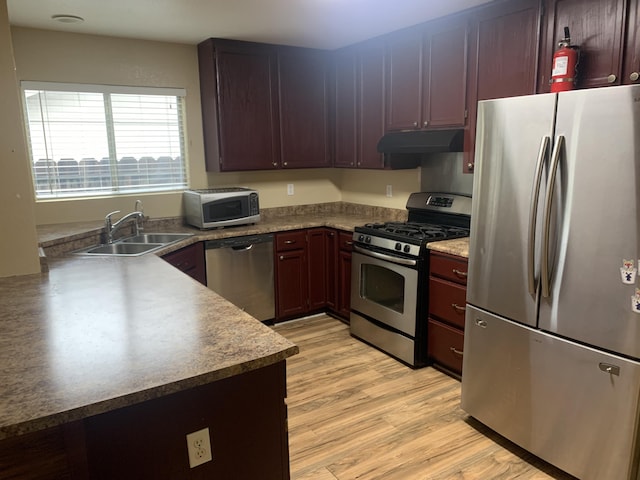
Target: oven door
(384, 289)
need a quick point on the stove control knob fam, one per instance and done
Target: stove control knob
(367, 239)
(361, 238)
(398, 246)
(407, 248)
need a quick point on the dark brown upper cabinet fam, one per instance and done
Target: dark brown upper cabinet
(427, 75)
(371, 109)
(264, 107)
(359, 106)
(237, 85)
(303, 81)
(504, 43)
(345, 109)
(404, 80)
(444, 96)
(631, 70)
(597, 27)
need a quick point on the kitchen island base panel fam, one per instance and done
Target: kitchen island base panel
(246, 416)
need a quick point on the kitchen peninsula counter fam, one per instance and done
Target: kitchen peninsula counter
(99, 333)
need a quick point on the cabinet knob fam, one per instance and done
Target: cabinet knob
(634, 76)
(415, 124)
(274, 164)
(285, 164)
(469, 166)
(611, 78)
(425, 124)
(281, 257)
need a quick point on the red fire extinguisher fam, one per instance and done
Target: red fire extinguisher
(565, 65)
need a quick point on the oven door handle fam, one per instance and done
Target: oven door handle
(389, 258)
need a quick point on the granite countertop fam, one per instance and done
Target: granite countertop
(99, 333)
(457, 246)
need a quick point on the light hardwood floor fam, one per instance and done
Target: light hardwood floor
(356, 413)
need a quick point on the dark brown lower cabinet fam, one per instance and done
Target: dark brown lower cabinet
(343, 275)
(447, 304)
(246, 416)
(190, 260)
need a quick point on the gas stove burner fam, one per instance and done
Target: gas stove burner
(415, 230)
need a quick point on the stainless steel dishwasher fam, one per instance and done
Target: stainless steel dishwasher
(240, 269)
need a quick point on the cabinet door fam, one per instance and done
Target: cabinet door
(237, 82)
(597, 26)
(304, 116)
(404, 74)
(343, 307)
(631, 73)
(503, 46)
(345, 120)
(330, 266)
(189, 260)
(317, 271)
(371, 110)
(291, 283)
(445, 74)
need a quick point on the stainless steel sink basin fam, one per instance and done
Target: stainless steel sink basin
(136, 245)
(120, 248)
(164, 238)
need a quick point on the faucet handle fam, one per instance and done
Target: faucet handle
(107, 218)
(138, 207)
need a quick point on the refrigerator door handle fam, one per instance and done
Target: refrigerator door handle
(544, 270)
(533, 214)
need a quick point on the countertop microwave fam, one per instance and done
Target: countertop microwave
(221, 207)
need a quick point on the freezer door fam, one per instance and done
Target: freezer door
(571, 405)
(597, 193)
(509, 137)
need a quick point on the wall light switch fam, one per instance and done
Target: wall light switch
(289, 188)
(389, 191)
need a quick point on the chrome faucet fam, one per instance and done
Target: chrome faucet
(137, 216)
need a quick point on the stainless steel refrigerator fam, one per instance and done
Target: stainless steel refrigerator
(552, 335)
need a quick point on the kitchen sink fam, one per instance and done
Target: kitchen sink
(164, 238)
(135, 245)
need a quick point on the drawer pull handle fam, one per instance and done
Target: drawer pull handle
(459, 274)
(456, 351)
(458, 308)
(349, 243)
(289, 242)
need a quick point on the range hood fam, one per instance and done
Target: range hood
(422, 141)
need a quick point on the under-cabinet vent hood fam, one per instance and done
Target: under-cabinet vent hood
(424, 141)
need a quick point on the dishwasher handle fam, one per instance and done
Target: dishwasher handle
(238, 243)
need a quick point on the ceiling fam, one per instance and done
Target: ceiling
(309, 23)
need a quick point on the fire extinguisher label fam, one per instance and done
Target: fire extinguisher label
(560, 66)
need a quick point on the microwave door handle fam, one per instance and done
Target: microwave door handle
(533, 214)
(544, 270)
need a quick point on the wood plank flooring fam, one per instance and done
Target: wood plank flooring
(356, 413)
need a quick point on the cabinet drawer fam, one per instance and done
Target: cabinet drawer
(189, 260)
(449, 267)
(447, 301)
(445, 345)
(291, 240)
(345, 241)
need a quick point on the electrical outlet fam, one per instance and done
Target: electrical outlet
(389, 191)
(289, 188)
(199, 447)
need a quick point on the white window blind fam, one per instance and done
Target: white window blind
(88, 140)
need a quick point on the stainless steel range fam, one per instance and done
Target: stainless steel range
(390, 268)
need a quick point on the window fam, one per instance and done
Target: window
(88, 140)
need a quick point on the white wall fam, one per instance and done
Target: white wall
(43, 55)
(18, 243)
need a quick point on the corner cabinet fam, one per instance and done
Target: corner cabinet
(264, 106)
(303, 92)
(189, 260)
(447, 305)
